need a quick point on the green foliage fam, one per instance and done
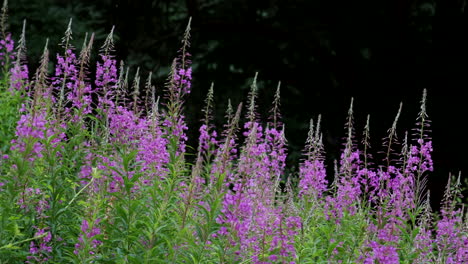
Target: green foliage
(10, 103)
(64, 197)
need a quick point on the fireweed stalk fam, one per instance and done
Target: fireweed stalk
(14, 80)
(178, 86)
(38, 145)
(19, 73)
(451, 238)
(347, 185)
(7, 45)
(206, 150)
(313, 184)
(259, 229)
(14, 73)
(93, 175)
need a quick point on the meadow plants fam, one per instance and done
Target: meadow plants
(94, 172)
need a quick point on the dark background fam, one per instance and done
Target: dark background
(323, 51)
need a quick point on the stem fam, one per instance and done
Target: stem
(22, 241)
(78, 193)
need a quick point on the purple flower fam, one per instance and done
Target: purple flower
(312, 179)
(106, 81)
(153, 153)
(33, 249)
(420, 159)
(382, 254)
(19, 78)
(31, 130)
(252, 220)
(423, 245)
(40, 252)
(7, 47)
(451, 240)
(183, 79)
(348, 187)
(88, 237)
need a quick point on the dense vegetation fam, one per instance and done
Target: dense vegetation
(95, 169)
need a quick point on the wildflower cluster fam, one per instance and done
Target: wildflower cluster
(93, 173)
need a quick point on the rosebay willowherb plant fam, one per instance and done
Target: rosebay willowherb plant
(93, 173)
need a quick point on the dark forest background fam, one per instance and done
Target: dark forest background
(323, 51)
